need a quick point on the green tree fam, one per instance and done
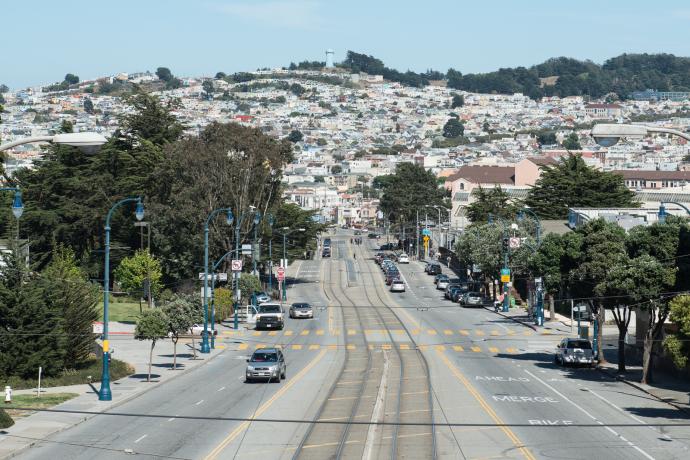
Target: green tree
(69, 292)
(134, 272)
(494, 201)
(297, 89)
(409, 189)
(336, 169)
(677, 345)
(5, 420)
(88, 105)
(4, 88)
(572, 142)
(453, 128)
(547, 138)
(220, 75)
(71, 79)
(249, 284)
(208, 88)
(458, 101)
(321, 142)
(572, 183)
(223, 301)
(152, 325)
(295, 136)
(178, 313)
(164, 74)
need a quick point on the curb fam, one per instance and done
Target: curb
(117, 404)
(639, 387)
(526, 324)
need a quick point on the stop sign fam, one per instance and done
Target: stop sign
(281, 273)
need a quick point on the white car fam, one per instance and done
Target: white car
(574, 351)
(403, 259)
(397, 286)
(198, 329)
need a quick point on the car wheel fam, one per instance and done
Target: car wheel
(282, 376)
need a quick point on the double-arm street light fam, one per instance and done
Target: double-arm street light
(213, 296)
(105, 394)
(270, 220)
(236, 280)
(255, 249)
(205, 347)
(284, 233)
(608, 134)
(662, 210)
(85, 141)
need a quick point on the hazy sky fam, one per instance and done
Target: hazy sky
(42, 40)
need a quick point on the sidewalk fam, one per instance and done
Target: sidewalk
(30, 429)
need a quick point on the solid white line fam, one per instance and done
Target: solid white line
(199, 402)
(649, 457)
(171, 419)
(221, 389)
(140, 439)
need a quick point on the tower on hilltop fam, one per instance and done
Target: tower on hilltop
(329, 57)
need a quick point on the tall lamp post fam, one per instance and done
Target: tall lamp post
(86, 140)
(608, 134)
(284, 234)
(213, 296)
(17, 205)
(662, 210)
(205, 346)
(257, 220)
(105, 394)
(505, 247)
(270, 220)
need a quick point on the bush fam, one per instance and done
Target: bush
(5, 420)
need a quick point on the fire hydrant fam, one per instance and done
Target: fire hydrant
(8, 394)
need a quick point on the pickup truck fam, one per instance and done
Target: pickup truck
(270, 316)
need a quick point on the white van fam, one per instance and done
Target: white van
(403, 259)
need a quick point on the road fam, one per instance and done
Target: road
(371, 355)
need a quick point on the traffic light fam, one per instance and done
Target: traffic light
(506, 244)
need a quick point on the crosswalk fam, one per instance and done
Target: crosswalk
(394, 332)
(382, 346)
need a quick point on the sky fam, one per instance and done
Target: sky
(42, 40)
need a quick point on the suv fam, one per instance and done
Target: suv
(433, 269)
(269, 316)
(266, 363)
(403, 258)
(261, 297)
(574, 351)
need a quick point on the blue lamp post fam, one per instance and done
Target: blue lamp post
(257, 220)
(205, 347)
(105, 394)
(17, 205)
(284, 234)
(270, 220)
(663, 213)
(213, 296)
(505, 249)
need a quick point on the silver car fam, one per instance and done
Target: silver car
(574, 351)
(397, 285)
(301, 310)
(473, 299)
(266, 364)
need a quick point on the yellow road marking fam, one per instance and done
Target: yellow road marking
(351, 332)
(319, 332)
(333, 347)
(431, 331)
(386, 346)
(272, 333)
(448, 332)
(545, 332)
(511, 350)
(493, 349)
(440, 348)
(350, 347)
(511, 332)
(243, 346)
(398, 331)
(304, 332)
(464, 332)
(494, 333)
(476, 349)
(260, 345)
(256, 333)
(404, 346)
(314, 347)
(508, 432)
(220, 347)
(479, 332)
(244, 425)
(527, 333)
(458, 348)
(288, 333)
(415, 331)
(297, 347)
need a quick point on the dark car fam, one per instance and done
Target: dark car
(387, 247)
(392, 276)
(326, 252)
(373, 235)
(434, 269)
(458, 294)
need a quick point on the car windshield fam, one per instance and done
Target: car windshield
(584, 344)
(474, 294)
(265, 357)
(301, 305)
(269, 308)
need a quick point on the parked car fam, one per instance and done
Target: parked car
(473, 299)
(434, 269)
(574, 351)
(393, 276)
(397, 286)
(442, 283)
(451, 286)
(198, 329)
(373, 235)
(266, 363)
(403, 258)
(358, 232)
(269, 316)
(301, 310)
(439, 276)
(262, 297)
(326, 252)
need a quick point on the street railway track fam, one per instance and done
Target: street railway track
(357, 394)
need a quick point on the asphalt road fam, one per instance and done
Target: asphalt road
(492, 377)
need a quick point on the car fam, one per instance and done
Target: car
(473, 299)
(301, 310)
(392, 277)
(326, 252)
(262, 297)
(440, 276)
(403, 258)
(574, 351)
(387, 247)
(358, 232)
(266, 364)
(269, 316)
(434, 269)
(397, 286)
(373, 235)
(442, 283)
(198, 329)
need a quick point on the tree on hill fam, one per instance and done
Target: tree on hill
(220, 75)
(4, 88)
(458, 101)
(572, 142)
(71, 79)
(297, 89)
(572, 183)
(493, 201)
(208, 88)
(88, 105)
(410, 188)
(453, 128)
(140, 274)
(295, 136)
(164, 74)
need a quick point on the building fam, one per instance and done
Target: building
(329, 58)
(637, 179)
(604, 111)
(654, 95)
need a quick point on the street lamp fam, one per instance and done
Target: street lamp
(284, 234)
(17, 205)
(205, 347)
(505, 248)
(257, 220)
(86, 140)
(213, 296)
(105, 394)
(662, 210)
(270, 220)
(608, 134)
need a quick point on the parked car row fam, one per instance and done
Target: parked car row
(464, 293)
(391, 272)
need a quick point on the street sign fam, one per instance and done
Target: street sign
(217, 277)
(97, 327)
(281, 273)
(514, 243)
(236, 265)
(209, 293)
(426, 231)
(505, 275)
(580, 308)
(426, 239)
(246, 249)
